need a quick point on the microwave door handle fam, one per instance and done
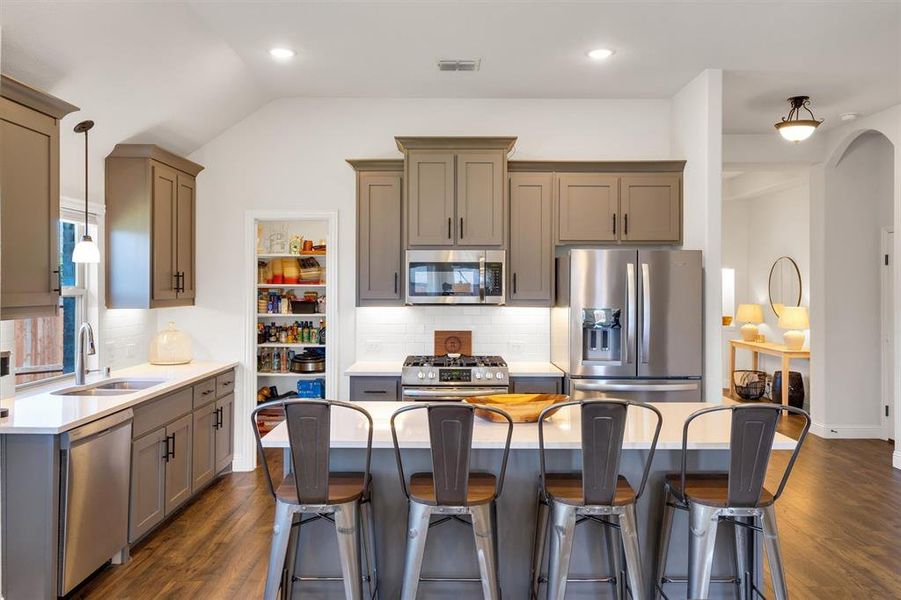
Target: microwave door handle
(645, 312)
(631, 313)
(482, 278)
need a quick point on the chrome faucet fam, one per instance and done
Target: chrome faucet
(85, 335)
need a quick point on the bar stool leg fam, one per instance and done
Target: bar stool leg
(666, 529)
(417, 532)
(741, 558)
(372, 570)
(538, 543)
(281, 532)
(347, 525)
(702, 524)
(483, 530)
(628, 524)
(563, 526)
(615, 558)
(773, 550)
(291, 557)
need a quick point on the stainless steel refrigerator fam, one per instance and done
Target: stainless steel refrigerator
(628, 324)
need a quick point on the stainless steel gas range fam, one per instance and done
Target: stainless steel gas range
(452, 378)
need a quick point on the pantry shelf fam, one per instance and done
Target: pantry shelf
(276, 345)
(301, 255)
(297, 316)
(291, 375)
(289, 285)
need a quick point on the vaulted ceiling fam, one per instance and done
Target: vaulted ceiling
(181, 72)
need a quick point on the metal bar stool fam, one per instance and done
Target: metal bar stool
(598, 494)
(452, 490)
(345, 499)
(738, 497)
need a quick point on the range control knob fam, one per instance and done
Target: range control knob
(478, 374)
(499, 375)
(431, 374)
(421, 375)
(488, 375)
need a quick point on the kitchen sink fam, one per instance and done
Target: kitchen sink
(112, 387)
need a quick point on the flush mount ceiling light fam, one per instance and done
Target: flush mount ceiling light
(86, 251)
(281, 53)
(601, 53)
(793, 127)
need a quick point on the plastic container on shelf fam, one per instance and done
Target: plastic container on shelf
(171, 346)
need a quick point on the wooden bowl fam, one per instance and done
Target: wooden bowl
(524, 408)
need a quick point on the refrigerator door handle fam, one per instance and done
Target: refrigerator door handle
(631, 316)
(621, 386)
(645, 312)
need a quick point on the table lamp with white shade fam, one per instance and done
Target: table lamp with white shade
(751, 315)
(794, 318)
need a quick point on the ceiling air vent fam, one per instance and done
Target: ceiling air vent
(459, 65)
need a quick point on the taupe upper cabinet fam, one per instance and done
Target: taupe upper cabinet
(455, 190)
(379, 239)
(652, 208)
(588, 207)
(29, 179)
(531, 259)
(151, 221)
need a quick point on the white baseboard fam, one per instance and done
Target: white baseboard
(896, 459)
(848, 432)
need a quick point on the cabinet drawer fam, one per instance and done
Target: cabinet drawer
(204, 392)
(160, 412)
(225, 384)
(375, 388)
(536, 385)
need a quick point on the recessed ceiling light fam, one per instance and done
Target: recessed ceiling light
(848, 116)
(281, 53)
(601, 53)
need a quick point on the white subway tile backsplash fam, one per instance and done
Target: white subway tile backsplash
(392, 333)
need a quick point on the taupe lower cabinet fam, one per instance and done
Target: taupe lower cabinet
(531, 257)
(375, 388)
(29, 203)
(181, 442)
(151, 221)
(379, 240)
(641, 207)
(455, 191)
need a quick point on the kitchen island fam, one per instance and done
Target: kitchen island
(451, 551)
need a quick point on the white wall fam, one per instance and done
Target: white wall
(697, 137)
(758, 228)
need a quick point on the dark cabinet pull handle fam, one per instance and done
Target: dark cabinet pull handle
(449, 236)
(59, 280)
(626, 224)
(614, 223)
(166, 453)
(461, 228)
(514, 283)
(395, 282)
(207, 392)
(172, 449)
(374, 392)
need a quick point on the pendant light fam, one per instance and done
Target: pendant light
(86, 251)
(793, 127)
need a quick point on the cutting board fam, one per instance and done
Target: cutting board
(453, 342)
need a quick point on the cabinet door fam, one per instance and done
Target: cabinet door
(178, 465)
(536, 385)
(385, 389)
(379, 237)
(652, 207)
(184, 235)
(531, 257)
(203, 458)
(480, 199)
(29, 179)
(164, 190)
(225, 445)
(148, 483)
(430, 201)
(588, 206)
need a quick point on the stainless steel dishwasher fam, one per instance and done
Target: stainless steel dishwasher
(95, 464)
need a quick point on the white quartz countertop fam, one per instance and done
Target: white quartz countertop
(561, 432)
(393, 369)
(42, 412)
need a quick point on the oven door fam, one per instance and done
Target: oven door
(454, 277)
(449, 394)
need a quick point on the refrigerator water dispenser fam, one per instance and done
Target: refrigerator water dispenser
(601, 334)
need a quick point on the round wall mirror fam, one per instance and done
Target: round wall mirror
(785, 284)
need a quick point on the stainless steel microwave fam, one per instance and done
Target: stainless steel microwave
(455, 277)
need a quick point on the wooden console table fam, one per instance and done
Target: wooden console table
(758, 348)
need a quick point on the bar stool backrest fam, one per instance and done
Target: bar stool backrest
(309, 439)
(603, 430)
(450, 441)
(750, 448)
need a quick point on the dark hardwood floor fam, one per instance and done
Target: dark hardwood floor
(839, 520)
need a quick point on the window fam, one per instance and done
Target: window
(45, 346)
